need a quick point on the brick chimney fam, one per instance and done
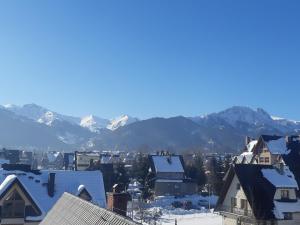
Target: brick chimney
(117, 200)
(51, 183)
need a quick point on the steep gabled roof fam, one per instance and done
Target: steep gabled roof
(12, 180)
(258, 190)
(167, 163)
(71, 210)
(36, 184)
(276, 144)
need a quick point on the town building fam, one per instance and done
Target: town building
(26, 195)
(259, 194)
(169, 175)
(83, 160)
(52, 160)
(262, 185)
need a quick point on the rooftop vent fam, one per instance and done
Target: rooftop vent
(51, 183)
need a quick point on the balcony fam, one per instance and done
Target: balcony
(237, 211)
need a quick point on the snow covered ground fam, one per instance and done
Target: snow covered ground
(192, 219)
(162, 211)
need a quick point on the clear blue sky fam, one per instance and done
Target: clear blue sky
(151, 58)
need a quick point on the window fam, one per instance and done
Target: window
(285, 194)
(288, 216)
(233, 202)
(13, 206)
(261, 159)
(267, 159)
(243, 204)
(238, 186)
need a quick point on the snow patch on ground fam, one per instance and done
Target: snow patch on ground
(192, 219)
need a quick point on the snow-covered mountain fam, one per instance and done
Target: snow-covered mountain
(94, 123)
(45, 116)
(40, 114)
(35, 126)
(238, 114)
(121, 121)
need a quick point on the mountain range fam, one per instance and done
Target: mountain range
(35, 127)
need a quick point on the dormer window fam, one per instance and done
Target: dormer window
(238, 186)
(84, 194)
(13, 206)
(285, 194)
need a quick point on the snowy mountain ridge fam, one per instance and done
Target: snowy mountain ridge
(35, 126)
(45, 116)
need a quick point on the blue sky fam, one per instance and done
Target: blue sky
(151, 58)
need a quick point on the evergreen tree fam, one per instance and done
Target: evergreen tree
(140, 168)
(120, 175)
(196, 170)
(216, 173)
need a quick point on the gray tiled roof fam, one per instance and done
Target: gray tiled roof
(71, 210)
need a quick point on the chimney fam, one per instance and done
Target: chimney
(51, 183)
(247, 140)
(280, 167)
(117, 200)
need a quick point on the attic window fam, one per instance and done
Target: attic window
(13, 206)
(238, 186)
(285, 194)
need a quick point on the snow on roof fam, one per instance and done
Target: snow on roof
(278, 146)
(251, 145)
(283, 207)
(167, 164)
(52, 156)
(65, 181)
(285, 180)
(8, 180)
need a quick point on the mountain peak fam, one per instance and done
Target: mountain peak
(121, 121)
(244, 114)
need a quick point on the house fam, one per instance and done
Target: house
(259, 194)
(26, 195)
(273, 150)
(10, 154)
(169, 176)
(71, 210)
(26, 157)
(52, 160)
(83, 159)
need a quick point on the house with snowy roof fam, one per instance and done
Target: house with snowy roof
(259, 194)
(26, 195)
(52, 160)
(169, 176)
(269, 149)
